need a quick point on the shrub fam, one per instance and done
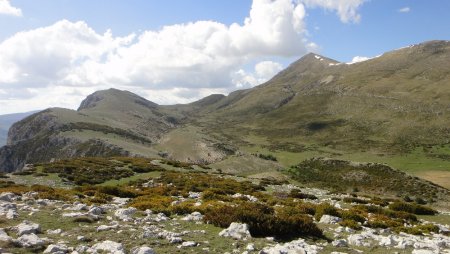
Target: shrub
(351, 224)
(412, 208)
(354, 200)
(84, 219)
(156, 203)
(353, 215)
(325, 208)
(263, 221)
(382, 221)
(296, 193)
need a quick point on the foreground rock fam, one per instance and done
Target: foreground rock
(27, 227)
(295, 247)
(109, 247)
(237, 231)
(30, 240)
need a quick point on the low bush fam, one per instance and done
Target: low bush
(296, 193)
(263, 220)
(412, 208)
(350, 224)
(325, 208)
(355, 200)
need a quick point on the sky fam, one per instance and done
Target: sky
(55, 53)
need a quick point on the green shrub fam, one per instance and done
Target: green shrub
(354, 200)
(412, 208)
(325, 208)
(263, 220)
(353, 215)
(351, 224)
(296, 193)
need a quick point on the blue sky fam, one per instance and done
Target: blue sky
(157, 48)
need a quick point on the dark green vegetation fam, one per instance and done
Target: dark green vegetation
(371, 178)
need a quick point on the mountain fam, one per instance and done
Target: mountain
(6, 121)
(392, 104)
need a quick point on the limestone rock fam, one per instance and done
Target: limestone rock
(27, 227)
(109, 247)
(237, 231)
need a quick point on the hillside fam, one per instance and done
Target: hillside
(6, 121)
(386, 109)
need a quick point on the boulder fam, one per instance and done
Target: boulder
(4, 237)
(328, 219)
(195, 216)
(189, 244)
(95, 210)
(143, 250)
(237, 231)
(109, 247)
(30, 240)
(27, 227)
(57, 249)
(340, 243)
(125, 214)
(295, 247)
(8, 196)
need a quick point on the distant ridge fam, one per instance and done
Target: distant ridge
(393, 103)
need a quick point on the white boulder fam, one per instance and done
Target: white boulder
(57, 249)
(27, 227)
(109, 247)
(30, 240)
(125, 214)
(236, 231)
(328, 219)
(143, 250)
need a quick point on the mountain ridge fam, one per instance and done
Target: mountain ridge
(392, 103)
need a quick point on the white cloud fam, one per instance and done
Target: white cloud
(183, 61)
(263, 72)
(404, 10)
(7, 9)
(346, 9)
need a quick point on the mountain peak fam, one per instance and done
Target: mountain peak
(115, 95)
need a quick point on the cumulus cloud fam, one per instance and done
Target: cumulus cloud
(7, 9)
(183, 62)
(404, 10)
(347, 10)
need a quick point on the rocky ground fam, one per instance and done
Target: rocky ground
(30, 224)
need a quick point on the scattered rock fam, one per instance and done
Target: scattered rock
(27, 227)
(109, 247)
(237, 231)
(195, 216)
(188, 244)
(8, 196)
(4, 236)
(143, 250)
(54, 232)
(30, 240)
(340, 243)
(328, 219)
(125, 214)
(295, 247)
(57, 249)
